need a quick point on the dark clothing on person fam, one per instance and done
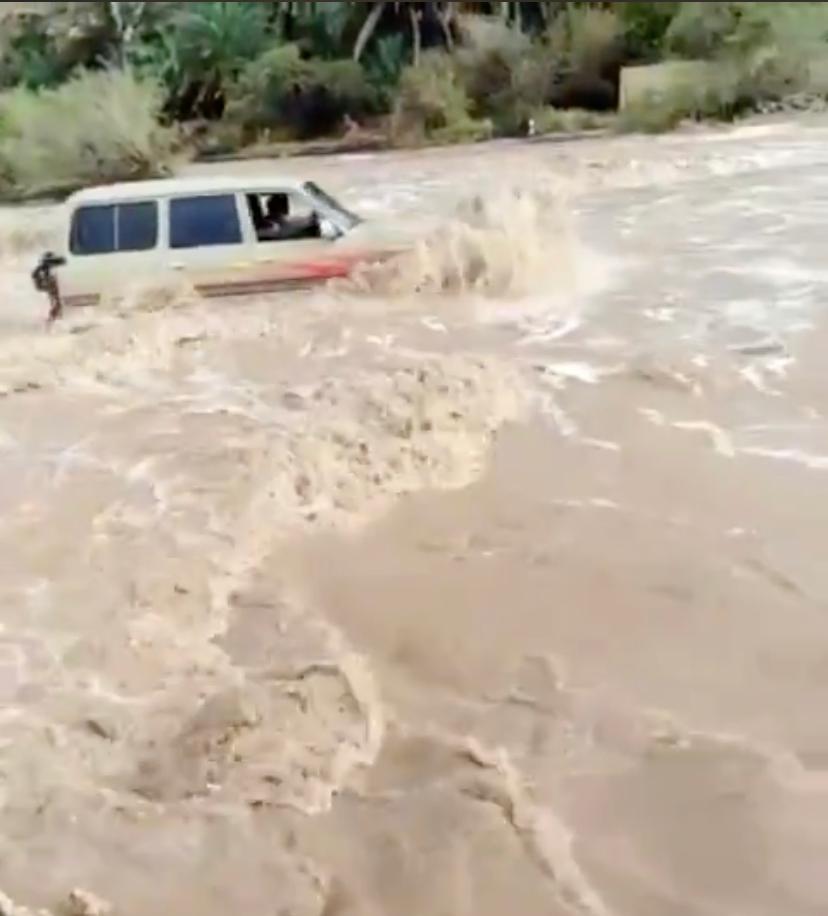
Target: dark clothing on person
(278, 226)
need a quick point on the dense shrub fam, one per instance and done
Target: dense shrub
(490, 51)
(311, 97)
(760, 51)
(565, 121)
(645, 26)
(99, 127)
(470, 130)
(775, 45)
(722, 96)
(433, 104)
(288, 69)
(588, 42)
(737, 30)
(505, 74)
(593, 38)
(28, 56)
(755, 53)
(701, 30)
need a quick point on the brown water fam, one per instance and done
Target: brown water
(490, 584)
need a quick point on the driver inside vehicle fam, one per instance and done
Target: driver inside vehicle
(276, 223)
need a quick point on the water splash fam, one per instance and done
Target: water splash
(509, 243)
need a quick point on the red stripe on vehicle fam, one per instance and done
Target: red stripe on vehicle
(249, 288)
(301, 275)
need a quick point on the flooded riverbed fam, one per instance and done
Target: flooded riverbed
(394, 599)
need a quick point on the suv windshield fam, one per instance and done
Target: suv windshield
(347, 219)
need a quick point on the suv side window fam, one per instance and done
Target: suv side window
(200, 221)
(283, 216)
(114, 227)
(93, 230)
(137, 228)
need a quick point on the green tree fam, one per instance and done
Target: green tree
(645, 26)
(213, 41)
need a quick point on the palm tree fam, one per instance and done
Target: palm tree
(214, 40)
(537, 13)
(218, 38)
(442, 13)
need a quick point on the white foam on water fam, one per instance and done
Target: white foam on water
(721, 440)
(579, 372)
(755, 376)
(790, 456)
(544, 330)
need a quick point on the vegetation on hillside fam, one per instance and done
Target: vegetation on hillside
(106, 89)
(98, 126)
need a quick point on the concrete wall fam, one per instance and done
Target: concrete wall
(641, 83)
(819, 75)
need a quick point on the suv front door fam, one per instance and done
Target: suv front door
(207, 242)
(291, 246)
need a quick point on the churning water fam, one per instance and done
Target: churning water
(488, 581)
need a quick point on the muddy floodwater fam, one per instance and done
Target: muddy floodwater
(490, 583)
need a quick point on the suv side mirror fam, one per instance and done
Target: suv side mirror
(328, 230)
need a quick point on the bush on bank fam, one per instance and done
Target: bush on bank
(93, 89)
(433, 105)
(98, 127)
(498, 78)
(308, 98)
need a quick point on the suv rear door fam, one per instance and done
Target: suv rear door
(108, 242)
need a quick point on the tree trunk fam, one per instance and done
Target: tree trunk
(123, 24)
(115, 23)
(446, 18)
(134, 26)
(416, 34)
(551, 10)
(368, 29)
